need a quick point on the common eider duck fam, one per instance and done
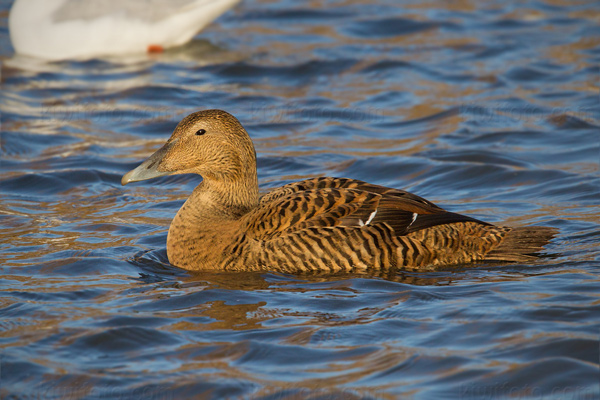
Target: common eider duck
(320, 224)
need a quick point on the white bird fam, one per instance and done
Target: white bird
(63, 29)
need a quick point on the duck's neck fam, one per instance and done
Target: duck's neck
(224, 199)
(214, 202)
(209, 219)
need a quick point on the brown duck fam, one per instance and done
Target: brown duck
(320, 224)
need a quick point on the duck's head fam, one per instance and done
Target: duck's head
(210, 143)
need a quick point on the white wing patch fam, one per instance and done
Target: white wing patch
(371, 217)
(414, 218)
(361, 223)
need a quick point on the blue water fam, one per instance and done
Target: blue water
(486, 108)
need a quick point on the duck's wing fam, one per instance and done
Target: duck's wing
(344, 183)
(331, 202)
(327, 207)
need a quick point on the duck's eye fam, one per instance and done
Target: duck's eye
(200, 132)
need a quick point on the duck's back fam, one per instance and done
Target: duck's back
(336, 224)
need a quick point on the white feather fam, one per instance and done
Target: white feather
(414, 218)
(371, 217)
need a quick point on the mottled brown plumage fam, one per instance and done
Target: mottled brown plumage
(320, 224)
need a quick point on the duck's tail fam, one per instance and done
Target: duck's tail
(522, 244)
